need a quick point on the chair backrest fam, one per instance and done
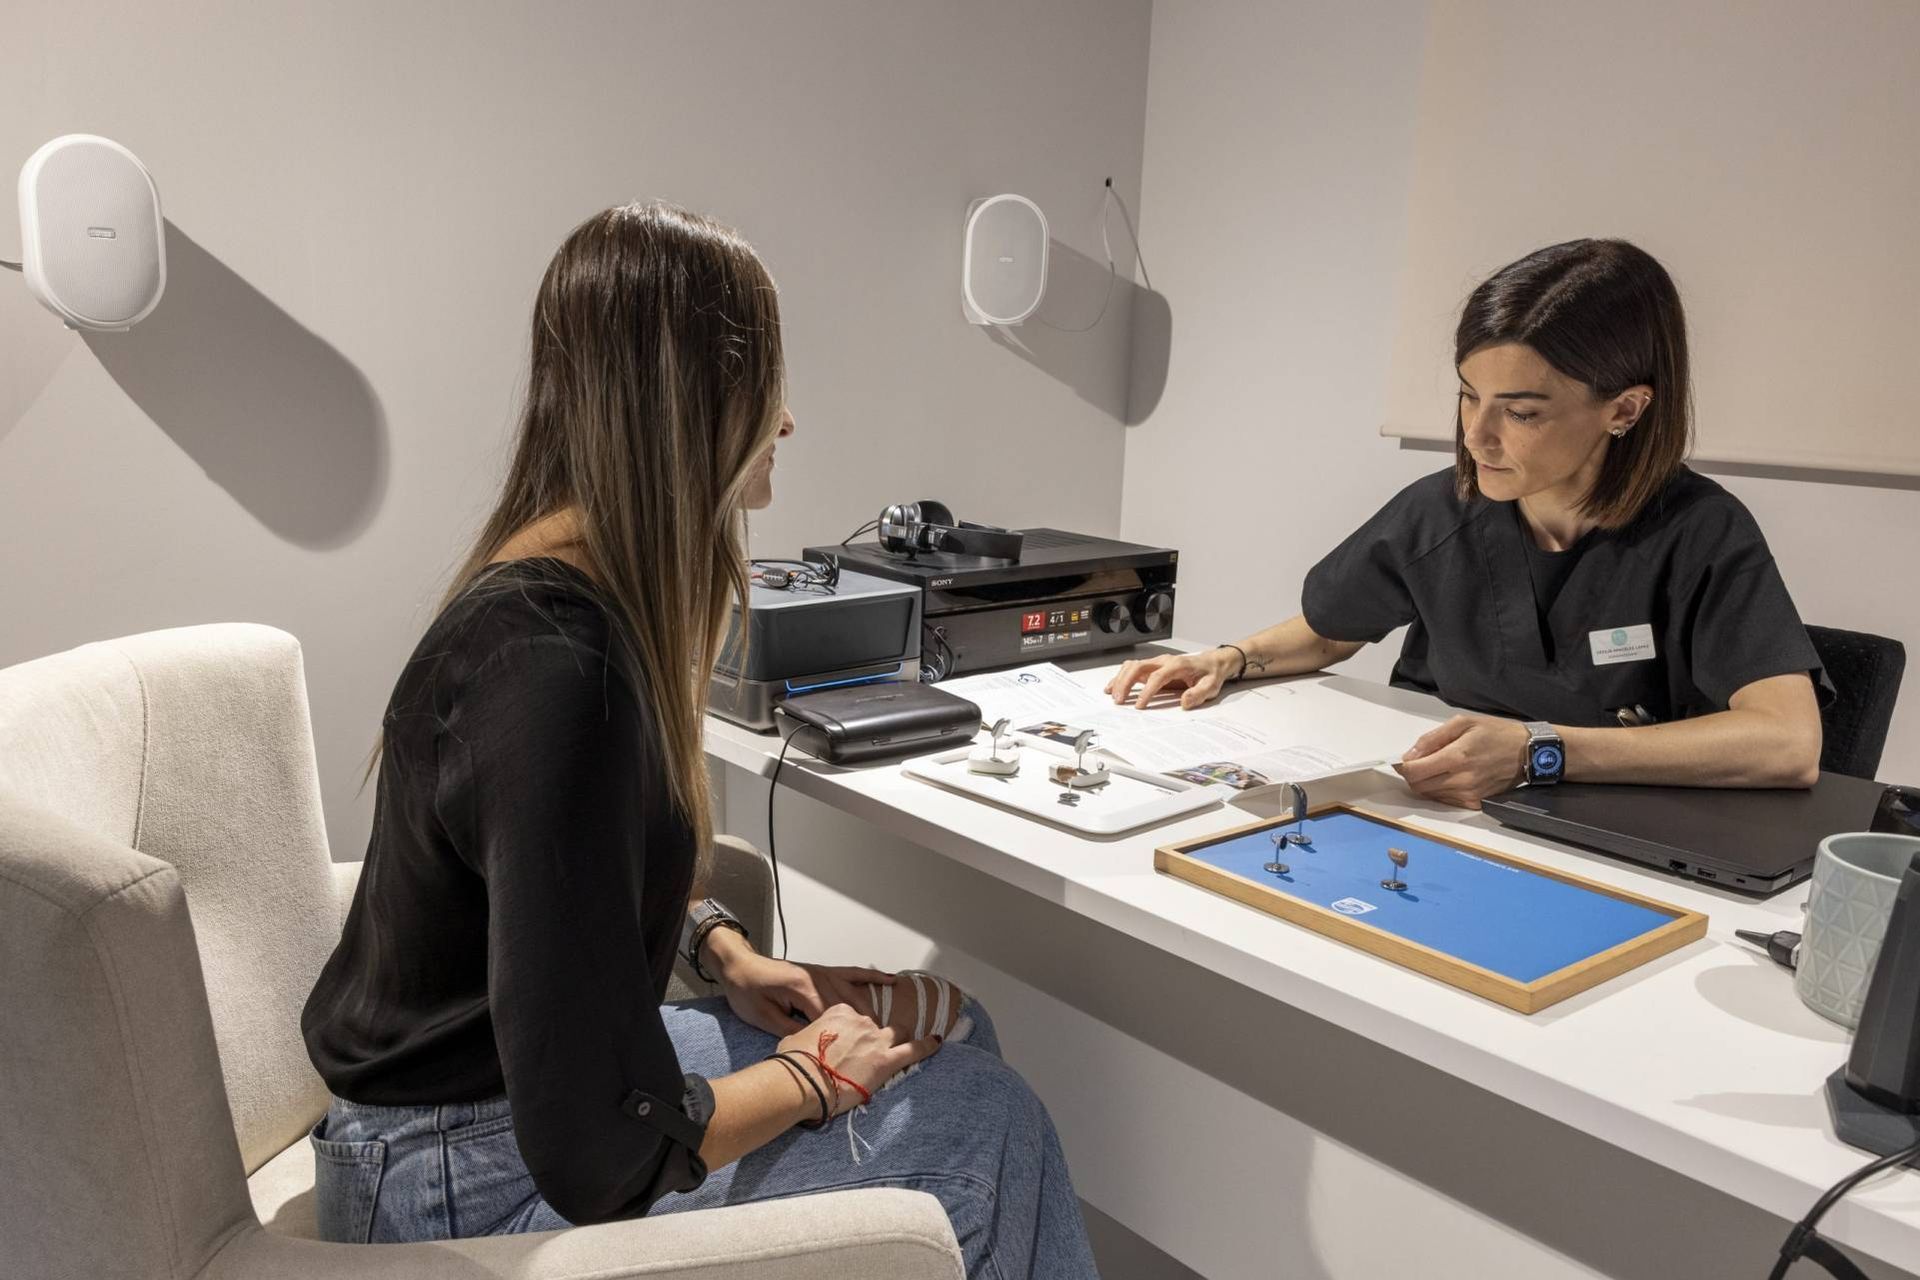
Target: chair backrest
(193, 746)
(1865, 670)
(116, 1143)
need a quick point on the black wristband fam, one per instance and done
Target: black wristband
(1243, 662)
(826, 1112)
(706, 927)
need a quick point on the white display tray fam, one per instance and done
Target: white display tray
(1132, 799)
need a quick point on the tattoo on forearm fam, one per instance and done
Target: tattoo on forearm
(1255, 665)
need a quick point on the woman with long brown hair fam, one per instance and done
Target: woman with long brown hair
(491, 1023)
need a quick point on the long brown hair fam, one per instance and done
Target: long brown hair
(656, 379)
(1604, 313)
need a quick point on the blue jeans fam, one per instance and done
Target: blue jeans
(964, 1127)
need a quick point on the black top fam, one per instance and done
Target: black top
(516, 918)
(1549, 571)
(1675, 612)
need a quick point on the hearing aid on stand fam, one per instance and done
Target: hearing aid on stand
(1078, 776)
(1001, 755)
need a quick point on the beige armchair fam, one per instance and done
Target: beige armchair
(166, 900)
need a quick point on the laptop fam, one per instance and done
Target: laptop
(1757, 841)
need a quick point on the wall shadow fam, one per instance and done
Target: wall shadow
(1060, 339)
(30, 361)
(269, 410)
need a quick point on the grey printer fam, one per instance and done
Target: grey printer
(808, 637)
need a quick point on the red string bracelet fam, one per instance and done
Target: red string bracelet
(827, 1038)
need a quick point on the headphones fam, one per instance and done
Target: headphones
(909, 528)
(790, 575)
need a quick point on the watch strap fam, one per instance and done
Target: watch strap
(703, 918)
(1540, 732)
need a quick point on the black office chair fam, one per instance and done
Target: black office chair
(1865, 670)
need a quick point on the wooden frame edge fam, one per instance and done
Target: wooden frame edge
(1683, 925)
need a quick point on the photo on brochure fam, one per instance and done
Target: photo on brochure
(1222, 772)
(1052, 731)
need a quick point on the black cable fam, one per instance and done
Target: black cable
(868, 527)
(1803, 1239)
(940, 668)
(779, 908)
(11, 266)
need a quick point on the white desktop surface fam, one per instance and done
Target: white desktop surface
(1703, 1061)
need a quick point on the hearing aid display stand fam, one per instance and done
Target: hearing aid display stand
(1128, 800)
(1679, 1105)
(1485, 922)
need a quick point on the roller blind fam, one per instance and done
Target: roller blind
(1768, 153)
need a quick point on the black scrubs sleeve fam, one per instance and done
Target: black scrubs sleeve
(549, 785)
(1742, 624)
(1359, 590)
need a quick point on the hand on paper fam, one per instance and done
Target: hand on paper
(1198, 676)
(1465, 760)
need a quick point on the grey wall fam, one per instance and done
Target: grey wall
(1279, 164)
(362, 197)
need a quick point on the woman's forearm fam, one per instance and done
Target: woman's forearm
(1769, 737)
(751, 1108)
(1292, 648)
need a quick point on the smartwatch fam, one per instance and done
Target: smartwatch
(1546, 758)
(703, 918)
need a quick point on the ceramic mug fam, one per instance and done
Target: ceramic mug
(1855, 875)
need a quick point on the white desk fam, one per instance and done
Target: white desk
(1280, 1133)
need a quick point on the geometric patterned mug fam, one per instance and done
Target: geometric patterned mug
(1855, 876)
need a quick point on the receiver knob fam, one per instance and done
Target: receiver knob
(1152, 611)
(1110, 617)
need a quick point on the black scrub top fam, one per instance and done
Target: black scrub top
(1671, 613)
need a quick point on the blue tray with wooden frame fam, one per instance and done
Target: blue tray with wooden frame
(1514, 932)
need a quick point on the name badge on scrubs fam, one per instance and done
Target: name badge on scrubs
(1621, 644)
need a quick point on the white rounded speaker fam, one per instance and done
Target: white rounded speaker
(1004, 272)
(93, 247)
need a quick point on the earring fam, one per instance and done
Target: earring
(1617, 431)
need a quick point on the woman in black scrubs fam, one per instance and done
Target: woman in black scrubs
(1605, 613)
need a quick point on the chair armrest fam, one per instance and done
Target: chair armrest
(868, 1234)
(742, 878)
(346, 878)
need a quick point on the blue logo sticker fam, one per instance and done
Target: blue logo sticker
(1352, 906)
(1618, 637)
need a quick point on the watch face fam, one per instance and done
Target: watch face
(1546, 761)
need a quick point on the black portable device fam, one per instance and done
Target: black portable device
(1757, 841)
(1875, 1098)
(852, 723)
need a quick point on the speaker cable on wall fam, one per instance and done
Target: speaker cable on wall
(1108, 199)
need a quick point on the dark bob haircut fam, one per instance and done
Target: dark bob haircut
(1605, 314)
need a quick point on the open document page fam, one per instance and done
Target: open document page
(1215, 747)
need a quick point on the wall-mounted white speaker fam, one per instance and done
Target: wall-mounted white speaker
(93, 247)
(1003, 274)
